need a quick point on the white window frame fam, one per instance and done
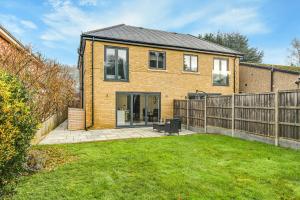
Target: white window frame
(220, 70)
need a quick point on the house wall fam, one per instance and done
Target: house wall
(3, 44)
(284, 81)
(172, 83)
(254, 80)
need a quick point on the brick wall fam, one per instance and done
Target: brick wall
(3, 44)
(285, 81)
(255, 80)
(173, 83)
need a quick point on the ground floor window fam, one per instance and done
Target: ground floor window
(137, 109)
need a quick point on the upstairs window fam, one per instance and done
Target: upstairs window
(116, 64)
(220, 72)
(190, 63)
(157, 60)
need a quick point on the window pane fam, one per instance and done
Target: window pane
(220, 79)
(186, 66)
(122, 64)
(224, 65)
(216, 65)
(153, 59)
(153, 109)
(161, 58)
(123, 109)
(110, 63)
(220, 72)
(194, 64)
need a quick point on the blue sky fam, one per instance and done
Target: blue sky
(53, 27)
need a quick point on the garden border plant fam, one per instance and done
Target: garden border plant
(17, 127)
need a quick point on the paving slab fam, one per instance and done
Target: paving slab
(61, 135)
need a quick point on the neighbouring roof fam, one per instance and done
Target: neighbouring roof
(281, 68)
(9, 37)
(147, 36)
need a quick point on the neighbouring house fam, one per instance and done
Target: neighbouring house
(130, 75)
(256, 78)
(7, 39)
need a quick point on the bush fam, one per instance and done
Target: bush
(17, 127)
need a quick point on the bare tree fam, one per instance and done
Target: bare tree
(50, 83)
(294, 57)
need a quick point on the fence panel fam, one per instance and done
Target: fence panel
(255, 113)
(48, 125)
(289, 114)
(180, 110)
(196, 113)
(219, 112)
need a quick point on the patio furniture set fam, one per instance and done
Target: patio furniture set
(169, 126)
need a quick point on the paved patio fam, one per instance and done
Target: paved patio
(62, 135)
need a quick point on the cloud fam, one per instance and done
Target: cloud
(15, 25)
(10, 22)
(66, 20)
(28, 24)
(244, 20)
(87, 2)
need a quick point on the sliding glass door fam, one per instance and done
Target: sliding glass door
(137, 109)
(123, 109)
(153, 111)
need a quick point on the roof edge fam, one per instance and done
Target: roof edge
(12, 39)
(158, 45)
(269, 67)
(103, 29)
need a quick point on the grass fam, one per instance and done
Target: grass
(186, 167)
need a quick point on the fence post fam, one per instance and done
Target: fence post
(276, 117)
(205, 113)
(232, 114)
(187, 114)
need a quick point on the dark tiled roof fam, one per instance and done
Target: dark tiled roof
(140, 35)
(282, 68)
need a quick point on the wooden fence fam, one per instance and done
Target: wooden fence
(48, 125)
(272, 115)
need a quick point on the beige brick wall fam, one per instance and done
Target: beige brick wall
(285, 81)
(255, 80)
(172, 83)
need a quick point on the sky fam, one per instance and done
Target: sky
(53, 27)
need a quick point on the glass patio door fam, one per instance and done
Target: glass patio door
(153, 111)
(137, 109)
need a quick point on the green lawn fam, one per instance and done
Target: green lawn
(185, 167)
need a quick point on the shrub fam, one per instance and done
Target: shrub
(17, 127)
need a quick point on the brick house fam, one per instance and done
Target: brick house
(129, 76)
(7, 39)
(255, 78)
